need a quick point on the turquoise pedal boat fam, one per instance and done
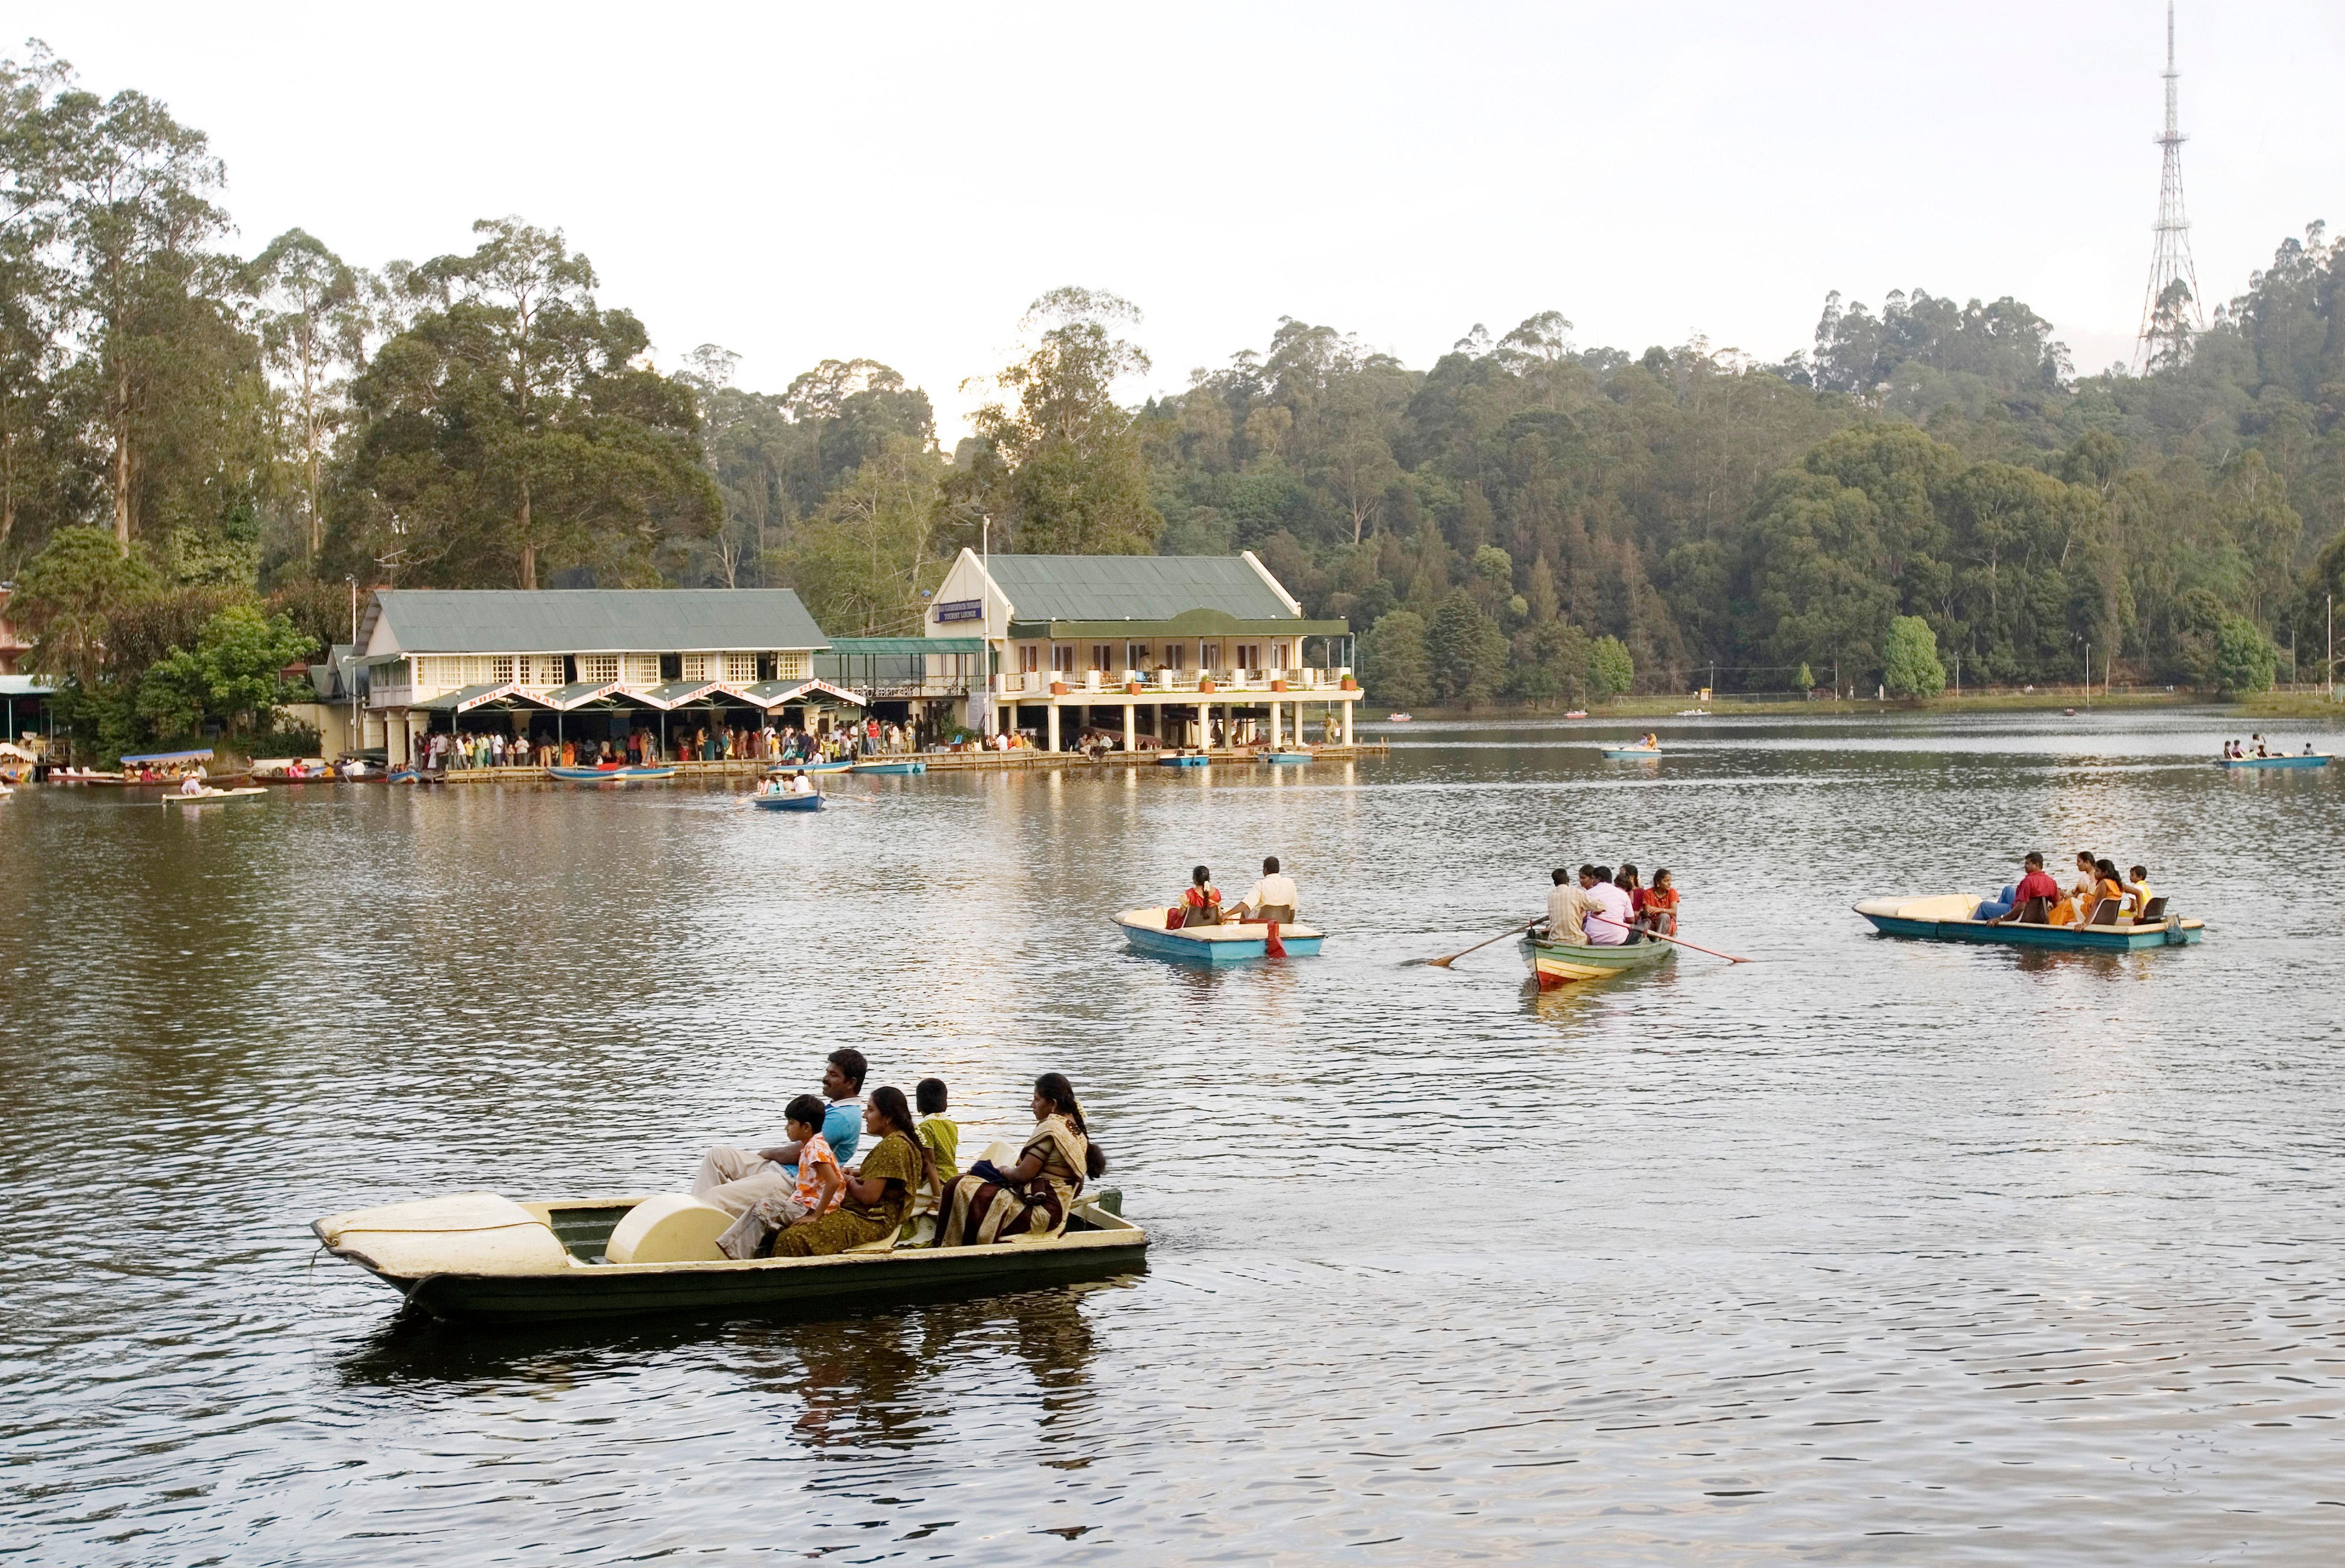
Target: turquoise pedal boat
(1629, 753)
(1183, 760)
(609, 775)
(783, 770)
(1948, 918)
(1285, 759)
(902, 765)
(2312, 760)
(1214, 944)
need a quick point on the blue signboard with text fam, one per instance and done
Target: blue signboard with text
(962, 610)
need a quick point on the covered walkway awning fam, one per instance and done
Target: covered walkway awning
(491, 695)
(772, 694)
(198, 754)
(583, 694)
(676, 694)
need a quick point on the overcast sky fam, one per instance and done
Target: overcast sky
(896, 182)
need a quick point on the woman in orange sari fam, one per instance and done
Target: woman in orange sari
(2096, 879)
(1199, 906)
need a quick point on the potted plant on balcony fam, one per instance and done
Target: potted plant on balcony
(1350, 682)
(1058, 687)
(1278, 683)
(1204, 684)
(1131, 688)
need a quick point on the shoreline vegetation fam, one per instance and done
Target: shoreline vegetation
(2306, 704)
(208, 452)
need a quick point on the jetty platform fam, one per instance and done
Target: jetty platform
(1021, 761)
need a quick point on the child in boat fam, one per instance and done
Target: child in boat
(816, 1193)
(938, 1130)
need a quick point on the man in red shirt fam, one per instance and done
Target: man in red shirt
(2032, 884)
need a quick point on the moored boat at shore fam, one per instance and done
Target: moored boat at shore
(1182, 760)
(609, 775)
(783, 770)
(890, 766)
(208, 796)
(1231, 943)
(478, 1256)
(1284, 759)
(1952, 917)
(1554, 964)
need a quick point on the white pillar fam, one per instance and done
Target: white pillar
(1348, 724)
(1131, 727)
(1274, 732)
(1050, 722)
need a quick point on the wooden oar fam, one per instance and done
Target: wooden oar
(1501, 936)
(1673, 941)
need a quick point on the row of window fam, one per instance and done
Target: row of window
(450, 671)
(1141, 656)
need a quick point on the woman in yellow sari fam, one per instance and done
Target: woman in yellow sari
(2098, 881)
(877, 1194)
(1031, 1197)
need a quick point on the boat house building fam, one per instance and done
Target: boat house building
(1184, 650)
(585, 664)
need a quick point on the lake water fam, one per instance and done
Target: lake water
(1864, 1251)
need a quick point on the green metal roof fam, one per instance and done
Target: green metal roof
(1086, 588)
(886, 646)
(1190, 624)
(596, 619)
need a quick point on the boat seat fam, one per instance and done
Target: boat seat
(2104, 913)
(2034, 912)
(668, 1228)
(1273, 915)
(2153, 911)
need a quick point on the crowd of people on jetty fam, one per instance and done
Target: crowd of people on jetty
(809, 1196)
(643, 748)
(2097, 880)
(1594, 908)
(2257, 746)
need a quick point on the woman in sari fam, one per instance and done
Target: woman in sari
(878, 1194)
(1201, 905)
(1031, 1197)
(2078, 907)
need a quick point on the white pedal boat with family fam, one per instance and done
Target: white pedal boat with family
(479, 1256)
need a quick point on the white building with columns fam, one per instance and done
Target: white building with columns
(1180, 649)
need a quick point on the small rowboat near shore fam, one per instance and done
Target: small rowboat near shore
(1183, 760)
(1231, 943)
(477, 1256)
(786, 801)
(207, 797)
(1554, 964)
(1285, 759)
(609, 775)
(1949, 917)
(783, 770)
(2303, 760)
(893, 765)
(1629, 753)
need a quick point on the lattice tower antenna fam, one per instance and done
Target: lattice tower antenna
(2166, 336)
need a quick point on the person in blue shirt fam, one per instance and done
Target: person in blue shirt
(734, 1178)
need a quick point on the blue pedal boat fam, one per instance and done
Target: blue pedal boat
(786, 801)
(1948, 918)
(1213, 945)
(1629, 753)
(1183, 760)
(902, 765)
(609, 775)
(2303, 760)
(783, 770)
(1285, 759)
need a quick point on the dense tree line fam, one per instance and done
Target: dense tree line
(1528, 520)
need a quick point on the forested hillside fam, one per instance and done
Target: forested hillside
(1528, 519)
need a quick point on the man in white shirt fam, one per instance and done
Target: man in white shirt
(1609, 924)
(1275, 892)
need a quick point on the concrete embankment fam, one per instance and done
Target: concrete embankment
(945, 762)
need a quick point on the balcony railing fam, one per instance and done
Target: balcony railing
(1105, 683)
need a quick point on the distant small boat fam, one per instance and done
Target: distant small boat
(1227, 943)
(2302, 760)
(1182, 760)
(1282, 759)
(786, 801)
(1576, 714)
(1400, 718)
(609, 775)
(783, 770)
(1629, 753)
(1554, 964)
(1951, 917)
(208, 796)
(895, 766)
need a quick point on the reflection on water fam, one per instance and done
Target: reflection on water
(1866, 1250)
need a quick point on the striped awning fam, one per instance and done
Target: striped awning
(772, 694)
(464, 699)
